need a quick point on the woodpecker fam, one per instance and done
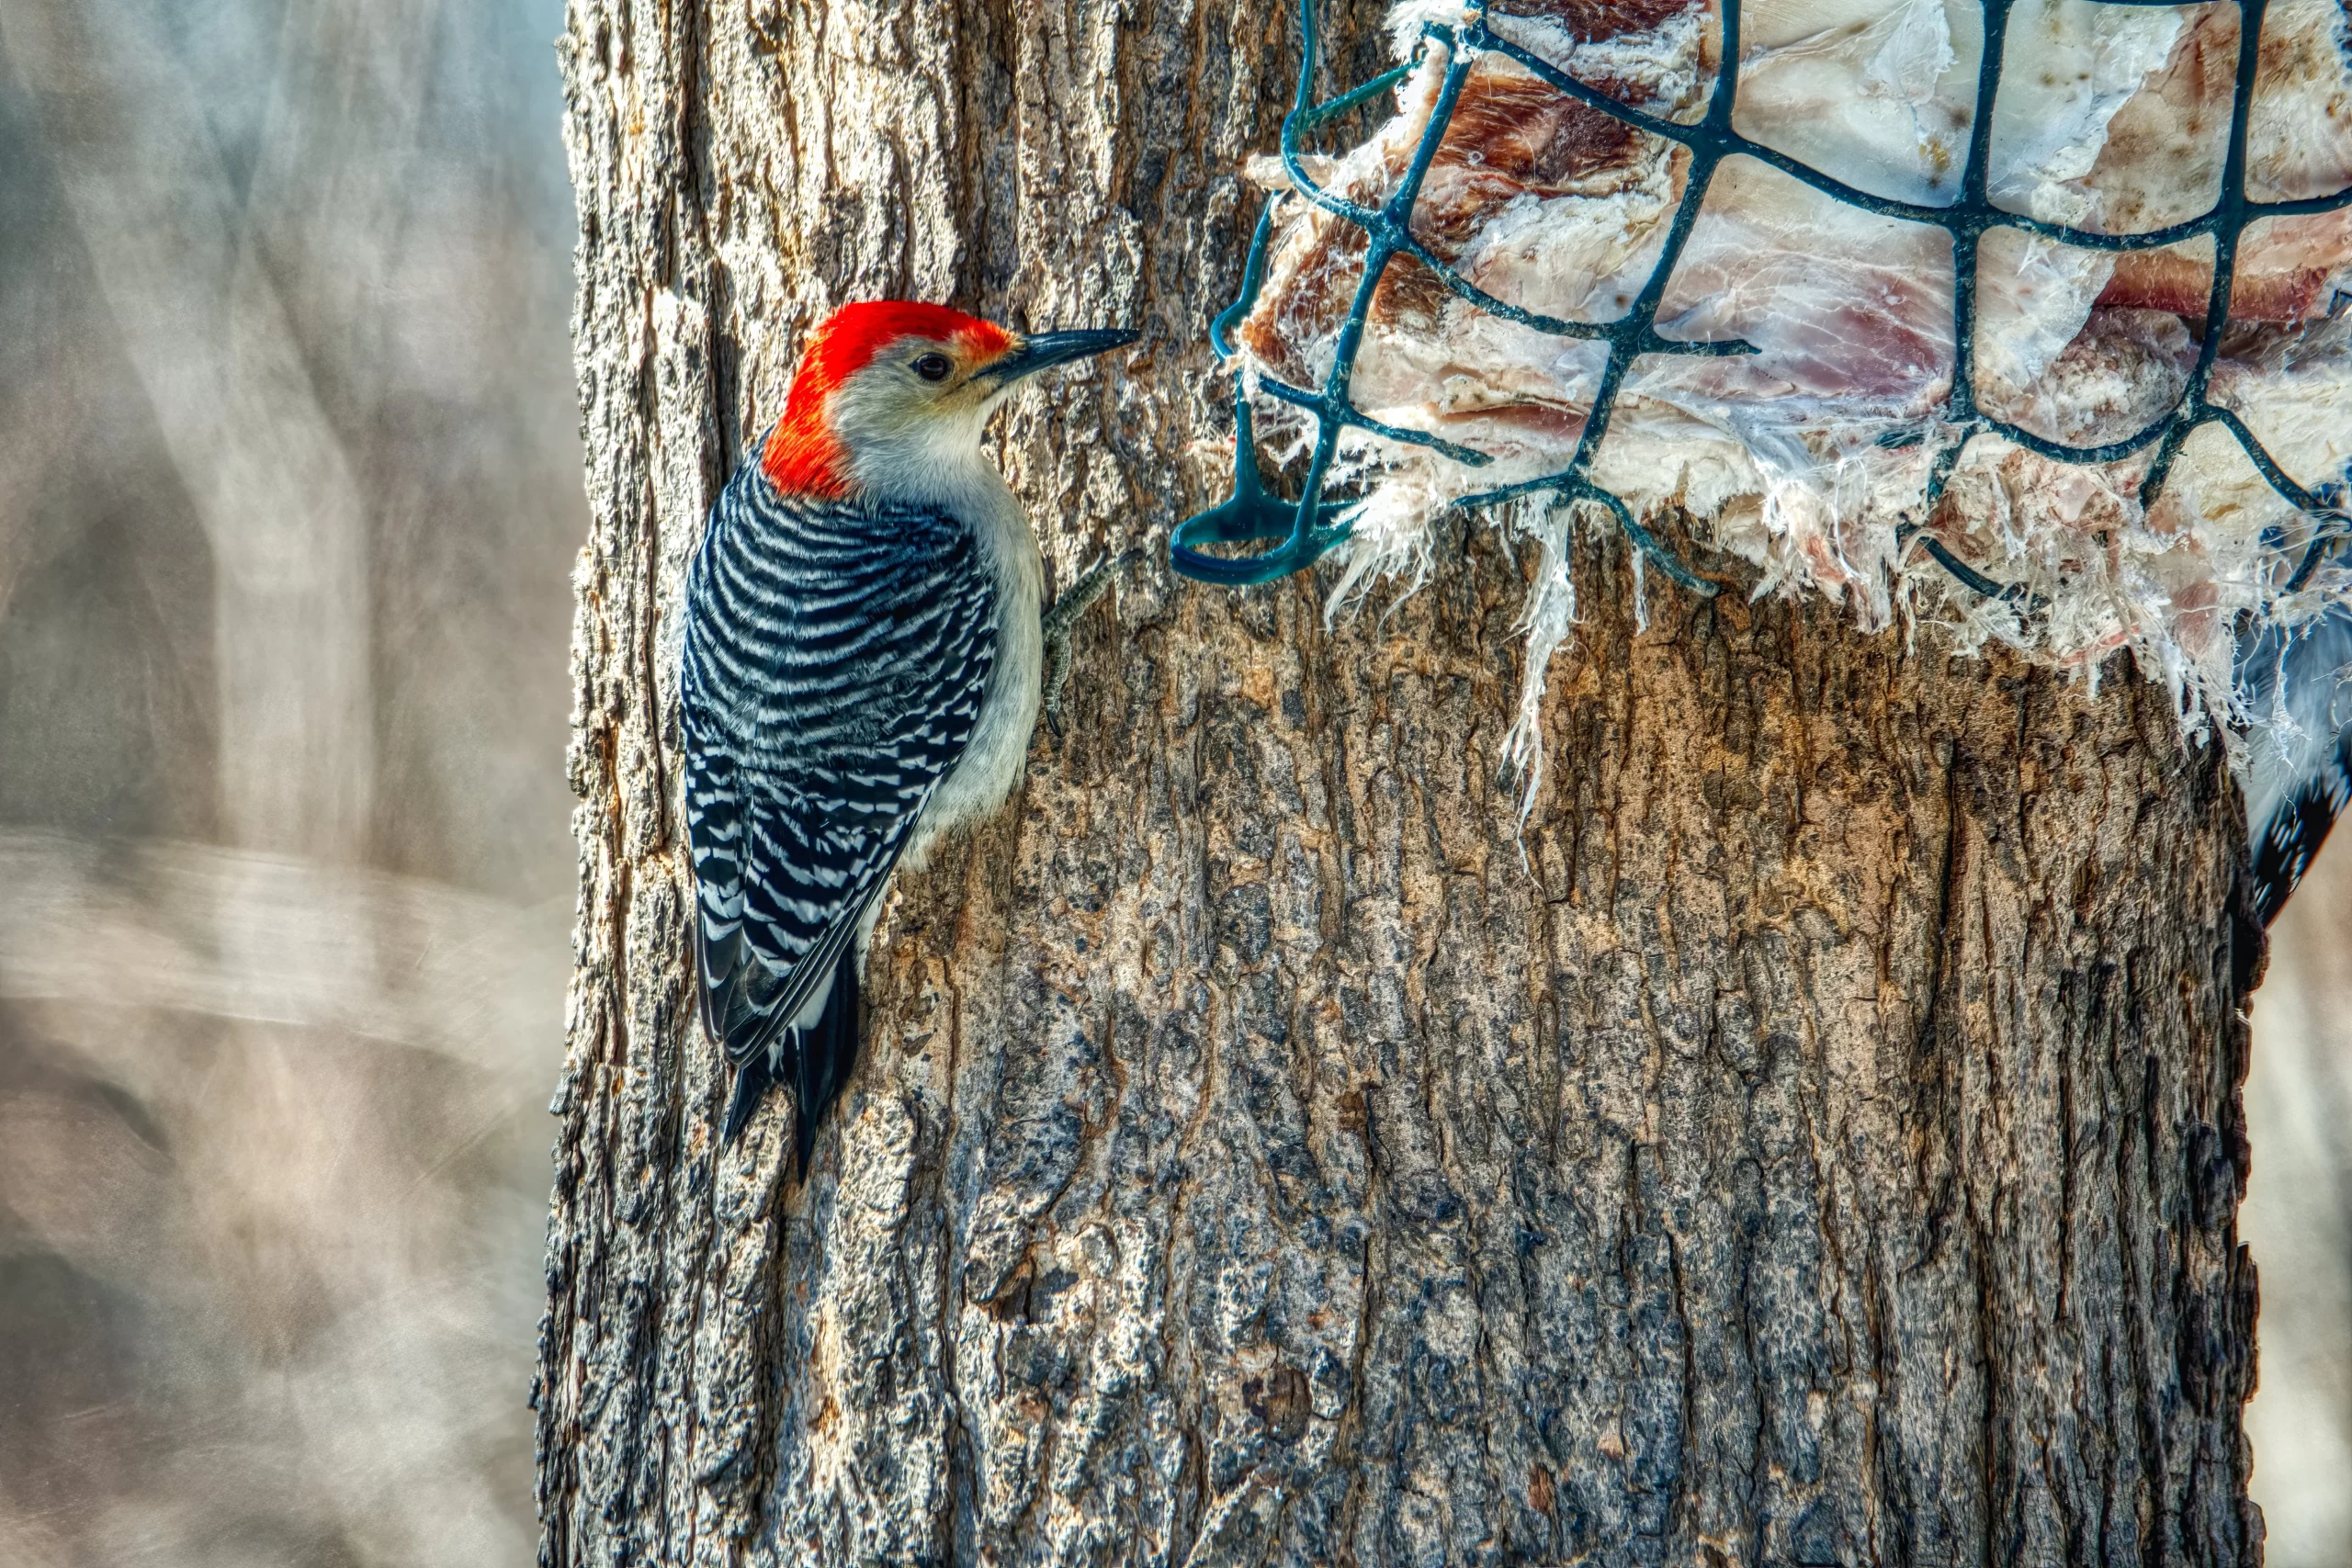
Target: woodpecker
(2299, 748)
(863, 662)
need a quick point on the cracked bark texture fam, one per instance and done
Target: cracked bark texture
(1814, 1140)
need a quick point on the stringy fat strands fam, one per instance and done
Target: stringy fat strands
(1824, 457)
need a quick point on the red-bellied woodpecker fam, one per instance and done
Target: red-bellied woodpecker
(863, 658)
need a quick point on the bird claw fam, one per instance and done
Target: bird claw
(1060, 620)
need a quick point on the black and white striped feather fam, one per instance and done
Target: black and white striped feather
(837, 659)
(2299, 748)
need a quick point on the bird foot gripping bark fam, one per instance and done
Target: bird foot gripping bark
(1061, 618)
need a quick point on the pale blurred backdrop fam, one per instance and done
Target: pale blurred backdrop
(289, 491)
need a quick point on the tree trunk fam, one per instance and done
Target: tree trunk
(1815, 1139)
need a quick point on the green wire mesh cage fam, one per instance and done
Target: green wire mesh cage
(1304, 530)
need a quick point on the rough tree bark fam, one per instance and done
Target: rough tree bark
(1816, 1140)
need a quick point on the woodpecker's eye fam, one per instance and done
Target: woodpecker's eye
(933, 368)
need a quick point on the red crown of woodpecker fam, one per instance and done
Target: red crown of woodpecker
(803, 456)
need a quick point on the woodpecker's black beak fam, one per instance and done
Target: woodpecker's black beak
(1042, 351)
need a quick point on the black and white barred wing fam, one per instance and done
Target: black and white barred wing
(836, 659)
(2298, 748)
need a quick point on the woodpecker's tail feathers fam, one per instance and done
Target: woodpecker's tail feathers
(754, 1078)
(797, 1028)
(814, 1060)
(822, 1064)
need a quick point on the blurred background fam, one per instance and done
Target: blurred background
(289, 493)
